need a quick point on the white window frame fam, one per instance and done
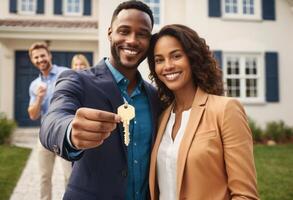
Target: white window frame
(160, 5)
(66, 11)
(240, 14)
(260, 76)
(26, 12)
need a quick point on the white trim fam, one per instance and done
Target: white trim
(26, 12)
(239, 15)
(260, 76)
(67, 13)
(48, 33)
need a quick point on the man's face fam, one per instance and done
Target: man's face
(41, 59)
(129, 37)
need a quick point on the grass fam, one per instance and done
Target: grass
(274, 166)
(12, 161)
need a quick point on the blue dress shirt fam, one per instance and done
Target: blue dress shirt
(140, 130)
(49, 81)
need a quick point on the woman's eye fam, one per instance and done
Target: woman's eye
(177, 56)
(158, 60)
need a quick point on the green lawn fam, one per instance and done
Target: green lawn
(12, 161)
(274, 166)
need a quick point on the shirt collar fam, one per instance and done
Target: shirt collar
(120, 78)
(53, 71)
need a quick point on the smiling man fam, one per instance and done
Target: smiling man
(82, 126)
(41, 91)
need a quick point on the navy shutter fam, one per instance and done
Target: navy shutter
(40, 6)
(58, 7)
(272, 77)
(13, 6)
(214, 8)
(268, 10)
(218, 57)
(87, 7)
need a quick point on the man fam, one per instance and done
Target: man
(41, 91)
(82, 125)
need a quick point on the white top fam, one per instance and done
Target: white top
(167, 157)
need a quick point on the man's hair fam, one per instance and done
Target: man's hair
(133, 4)
(38, 45)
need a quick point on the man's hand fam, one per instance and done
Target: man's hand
(90, 127)
(34, 110)
(41, 91)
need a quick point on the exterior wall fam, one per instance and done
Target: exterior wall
(248, 36)
(221, 34)
(7, 64)
(105, 14)
(7, 80)
(48, 12)
(12, 39)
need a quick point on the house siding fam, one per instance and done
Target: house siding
(225, 35)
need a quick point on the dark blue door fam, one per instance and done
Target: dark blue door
(25, 73)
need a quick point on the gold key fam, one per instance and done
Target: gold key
(127, 113)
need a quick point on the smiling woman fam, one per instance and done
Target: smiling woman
(204, 147)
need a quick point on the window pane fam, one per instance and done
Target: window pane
(231, 6)
(74, 6)
(250, 66)
(233, 87)
(251, 87)
(155, 7)
(248, 7)
(27, 5)
(233, 65)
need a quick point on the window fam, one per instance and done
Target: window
(27, 6)
(241, 9)
(156, 8)
(73, 7)
(244, 76)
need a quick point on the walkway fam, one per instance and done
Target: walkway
(28, 186)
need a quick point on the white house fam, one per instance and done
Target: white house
(252, 40)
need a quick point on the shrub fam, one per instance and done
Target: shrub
(278, 131)
(257, 132)
(6, 127)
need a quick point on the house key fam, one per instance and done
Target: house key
(127, 113)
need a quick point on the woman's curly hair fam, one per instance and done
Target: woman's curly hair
(206, 73)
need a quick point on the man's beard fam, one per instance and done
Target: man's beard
(45, 66)
(117, 59)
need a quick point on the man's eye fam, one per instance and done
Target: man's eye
(123, 32)
(143, 35)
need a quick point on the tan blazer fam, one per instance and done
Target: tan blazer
(215, 158)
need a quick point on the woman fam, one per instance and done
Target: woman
(79, 62)
(204, 147)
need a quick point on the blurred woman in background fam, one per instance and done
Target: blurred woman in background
(79, 62)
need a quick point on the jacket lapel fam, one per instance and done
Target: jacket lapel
(107, 83)
(197, 110)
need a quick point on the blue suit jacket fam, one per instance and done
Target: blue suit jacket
(98, 173)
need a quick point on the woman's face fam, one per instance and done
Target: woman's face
(172, 64)
(78, 64)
